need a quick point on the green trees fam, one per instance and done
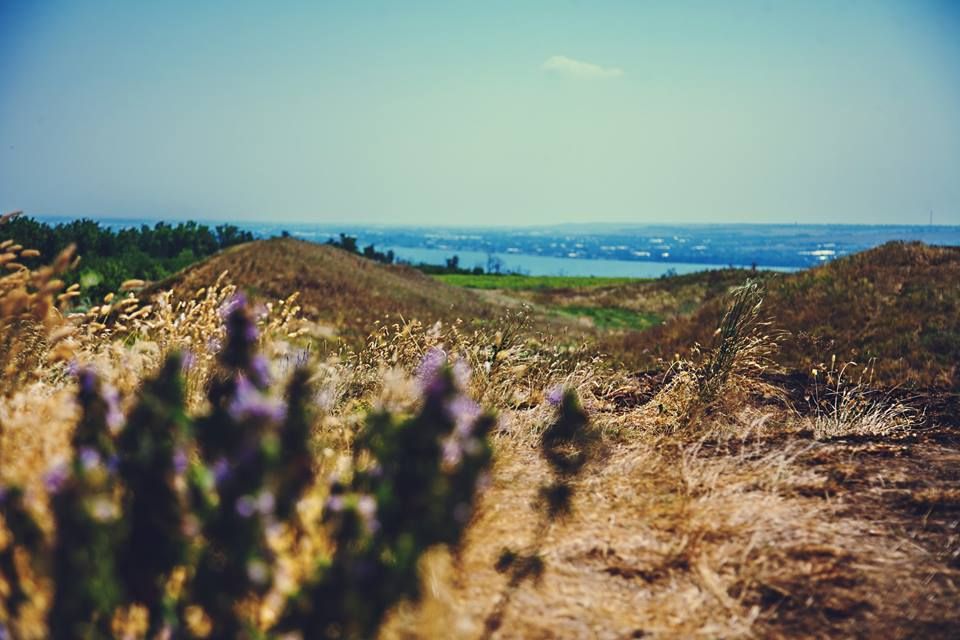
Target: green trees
(109, 257)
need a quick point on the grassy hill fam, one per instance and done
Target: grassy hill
(341, 289)
(622, 304)
(897, 305)
(694, 506)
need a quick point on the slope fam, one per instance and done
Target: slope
(343, 290)
(897, 306)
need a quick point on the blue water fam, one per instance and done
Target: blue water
(621, 250)
(550, 266)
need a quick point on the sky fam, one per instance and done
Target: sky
(483, 113)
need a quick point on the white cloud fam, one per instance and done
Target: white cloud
(580, 69)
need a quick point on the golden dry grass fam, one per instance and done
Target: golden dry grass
(742, 524)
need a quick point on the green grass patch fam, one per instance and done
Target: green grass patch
(614, 317)
(517, 282)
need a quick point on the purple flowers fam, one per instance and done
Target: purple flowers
(430, 366)
(89, 458)
(260, 371)
(180, 461)
(334, 504)
(365, 506)
(91, 386)
(442, 383)
(249, 403)
(56, 478)
(464, 412)
(245, 506)
(262, 503)
(115, 417)
(87, 380)
(555, 395)
(221, 471)
(238, 300)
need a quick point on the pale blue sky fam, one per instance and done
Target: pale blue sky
(483, 113)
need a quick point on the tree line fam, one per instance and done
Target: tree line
(108, 256)
(452, 264)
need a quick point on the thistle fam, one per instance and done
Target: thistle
(153, 459)
(417, 491)
(86, 584)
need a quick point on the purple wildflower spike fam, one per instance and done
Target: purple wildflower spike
(221, 471)
(180, 461)
(115, 417)
(235, 302)
(464, 412)
(430, 367)
(56, 477)
(249, 403)
(89, 458)
(334, 504)
(555, 395)
(246, 506)
(87, 380)
(260, 371)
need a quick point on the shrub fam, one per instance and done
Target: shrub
(412, 487)
(110, 257)
(174, 514)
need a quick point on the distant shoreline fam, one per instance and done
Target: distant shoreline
(604, 249)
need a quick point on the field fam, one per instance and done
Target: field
(612, 318)
(522, 282)
(635, 487)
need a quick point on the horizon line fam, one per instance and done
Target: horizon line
(413, 225)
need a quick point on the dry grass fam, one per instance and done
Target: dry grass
(699, 391)
(32, 306)
(845, 407)
(744, 526)
(898, 304)
(674, 538)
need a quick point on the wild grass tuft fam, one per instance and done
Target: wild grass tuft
(843, 406)
(743, 348)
